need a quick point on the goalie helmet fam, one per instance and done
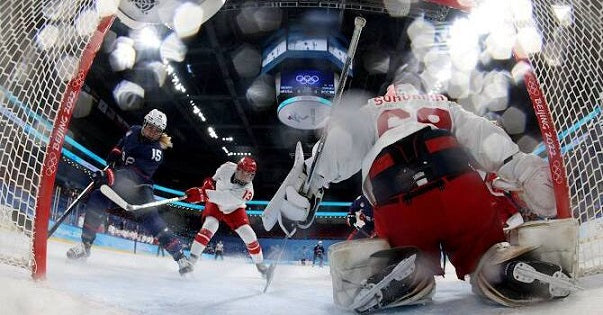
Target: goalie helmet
(246, 169)
(157, 119)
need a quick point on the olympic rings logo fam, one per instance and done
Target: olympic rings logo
(557, 172)
(51, 164)
(307, 79)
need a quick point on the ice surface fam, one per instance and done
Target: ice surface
(112, 282)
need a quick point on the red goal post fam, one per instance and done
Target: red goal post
(46, 50)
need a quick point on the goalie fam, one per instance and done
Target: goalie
(418, 154)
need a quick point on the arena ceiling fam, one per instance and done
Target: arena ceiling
(219, 67)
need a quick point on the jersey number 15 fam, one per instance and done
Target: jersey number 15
(156, 155)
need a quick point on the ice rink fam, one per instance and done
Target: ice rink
(112, 282)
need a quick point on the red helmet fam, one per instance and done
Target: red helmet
(247, 164)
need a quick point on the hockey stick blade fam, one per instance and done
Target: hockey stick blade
(118, 200)
(269, 276)
(274, 264)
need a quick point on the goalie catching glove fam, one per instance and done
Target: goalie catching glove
(530, 174)
(292, 206)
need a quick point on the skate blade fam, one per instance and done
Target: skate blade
(402, 270)
(526, 273)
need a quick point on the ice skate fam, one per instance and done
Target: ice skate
(539, 279)
(79, 252)
(184, 265)
(384, 287)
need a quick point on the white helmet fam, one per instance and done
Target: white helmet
(156, 118)
(319, 242)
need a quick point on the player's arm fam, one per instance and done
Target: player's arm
(495, 152)
(350, 136)
(199, 194)
(114, 158)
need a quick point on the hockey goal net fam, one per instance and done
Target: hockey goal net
(46, 49)
(569, 72)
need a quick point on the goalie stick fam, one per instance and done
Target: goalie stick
(359, 23)
(272, 267)
(69, 209)
(118, 200)
(272, 212)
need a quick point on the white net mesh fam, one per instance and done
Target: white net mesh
(570, 69)
(41, 43)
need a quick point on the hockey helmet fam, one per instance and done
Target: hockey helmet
(246, 169)
(154, 124)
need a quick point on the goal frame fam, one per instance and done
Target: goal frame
(55, 145)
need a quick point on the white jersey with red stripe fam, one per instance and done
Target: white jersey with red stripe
(356, 137)
(229, 196)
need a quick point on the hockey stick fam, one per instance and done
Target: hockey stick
(359, 23)
(69, 209)
(118, 200)
(273, 265)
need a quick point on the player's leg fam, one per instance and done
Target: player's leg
(239, 222)
(210, 226)
(367, 275)
(166, 239)
(95, 215)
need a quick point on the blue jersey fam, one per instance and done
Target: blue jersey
(139, 153)
(361, 204)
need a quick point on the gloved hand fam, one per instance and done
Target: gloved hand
(114, 157)
(103, 177)
(351, 219)
(289, 206)
(195, 195)
(533, 175)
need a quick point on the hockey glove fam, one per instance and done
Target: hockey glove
(103, 177)
(533, 175)
(195, 195)
(114, 157)
(351, 219)
(289, 206)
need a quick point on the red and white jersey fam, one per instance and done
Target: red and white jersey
(356, 136)
(229, 196)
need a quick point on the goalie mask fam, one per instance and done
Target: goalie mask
(245, 171)
(154, 124)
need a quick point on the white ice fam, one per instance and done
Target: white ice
(112, 282)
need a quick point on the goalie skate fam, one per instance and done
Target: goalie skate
(559, 284)
(371, 295)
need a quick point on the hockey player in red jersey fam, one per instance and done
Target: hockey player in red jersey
(418, 154)
(225, 196)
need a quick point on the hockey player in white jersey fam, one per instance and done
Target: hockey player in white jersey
(225, 196)
(418, 154)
